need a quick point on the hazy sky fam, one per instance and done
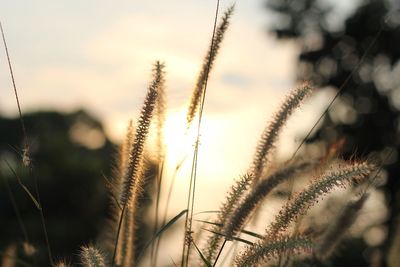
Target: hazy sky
(98, 55)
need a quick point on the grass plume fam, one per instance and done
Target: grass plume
(142, 130)
(246, 207)
(92, 257)
(160, 111)
(217, 35)
(160, 121)
(208, 64)
(305, 199)
(125, 150)
(233, 197)
(263, 251)
(269, 136)
(132, 180)
(265, 146)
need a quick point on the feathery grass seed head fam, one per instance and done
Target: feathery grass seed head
(239, 216)
(160, 110)
(208, 63)
(305, 199)
(263, 251)
(125, 148)
(232, 200)
(269, 136)
(92, 257)
(136, 150)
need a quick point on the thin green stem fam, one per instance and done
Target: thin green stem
(189, 216)
(21, 118)
(25, 156)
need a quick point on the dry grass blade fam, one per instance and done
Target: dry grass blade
(161, 231)
(201, 255)
(242, 231)
(232, 238)
(37, 205)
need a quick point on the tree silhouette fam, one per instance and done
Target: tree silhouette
(69, 166)
(358, 55)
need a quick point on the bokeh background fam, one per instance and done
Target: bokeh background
(82, 68)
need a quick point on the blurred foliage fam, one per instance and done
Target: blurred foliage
(357, 49)
(70, 154)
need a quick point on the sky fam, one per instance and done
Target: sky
(99, 54)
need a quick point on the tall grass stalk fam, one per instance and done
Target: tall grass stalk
(26, 158)
(200, 93)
